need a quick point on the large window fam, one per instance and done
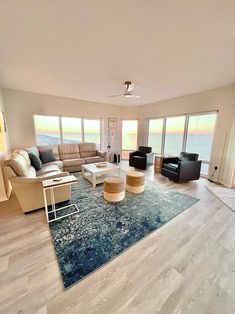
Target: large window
(174, 135)
(155, 134)
(57, 129)
(129, 137)
(200, 137)
(191, 133)
(71, 129)
(92, 131)
(47, 130)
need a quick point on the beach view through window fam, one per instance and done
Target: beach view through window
(129, 137)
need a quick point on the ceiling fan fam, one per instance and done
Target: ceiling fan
(128, 91)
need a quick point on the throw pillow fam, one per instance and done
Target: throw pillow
(47, 156)
(35, 161)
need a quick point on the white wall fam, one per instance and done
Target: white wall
(20, 106)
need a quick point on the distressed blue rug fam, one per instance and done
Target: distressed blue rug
(102, 230)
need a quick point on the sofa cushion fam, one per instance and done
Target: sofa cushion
(58, 163)
(23, 153)
(35, 161)
(87, 149)
(74, 162)
(171, 167)
(188, 156)
(32, 172)
(47, 169)
(19, 164)
(92, 160)
(69, 151)
(33, 150)
(54, 148)
(47, 156)
(48, 174)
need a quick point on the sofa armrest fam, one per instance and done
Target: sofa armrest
(100, 153)
(149, 158)
(172, 160)
(36, 179)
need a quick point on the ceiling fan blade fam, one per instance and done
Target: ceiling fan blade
(113, 96)
(129, 95)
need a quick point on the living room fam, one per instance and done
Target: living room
(82, 85)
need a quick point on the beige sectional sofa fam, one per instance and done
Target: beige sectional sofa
(27, 182)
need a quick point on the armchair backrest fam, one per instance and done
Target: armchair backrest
(145, 149)
(188, 156)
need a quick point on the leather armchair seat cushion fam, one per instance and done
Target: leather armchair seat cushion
(74, 162)
(91, 160)
(171, 167)
(138, 158)
(49, 174)
(47, 169)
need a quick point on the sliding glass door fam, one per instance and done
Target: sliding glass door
(129, 137)
(192, 133)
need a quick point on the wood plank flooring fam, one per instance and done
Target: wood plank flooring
(187, 266)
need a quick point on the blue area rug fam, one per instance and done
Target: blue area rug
(102, 230)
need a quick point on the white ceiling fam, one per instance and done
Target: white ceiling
(87, 49)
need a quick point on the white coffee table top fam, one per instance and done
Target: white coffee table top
(93, 169)
(63, 180)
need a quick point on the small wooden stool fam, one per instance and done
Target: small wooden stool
(114, 189)
(135, 182)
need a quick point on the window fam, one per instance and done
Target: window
(129, 137)
(47, 130)
(174, 135)
(92, 131)
(71, 129)
(200, 137)
(155, 135)
(57, 129)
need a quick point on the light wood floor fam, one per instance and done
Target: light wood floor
(187, 266)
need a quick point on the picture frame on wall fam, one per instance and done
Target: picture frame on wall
(112, 134)
(112, 123)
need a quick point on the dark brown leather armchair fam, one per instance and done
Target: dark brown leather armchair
(187, 167)
(141, 159)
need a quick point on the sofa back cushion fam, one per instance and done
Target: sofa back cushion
(33, 150)
(87, 149)
(69, 151)
(23, 153)
(188, 156)
(19, 164)
(54, 148)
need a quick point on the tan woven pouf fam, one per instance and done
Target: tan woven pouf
(114, 189)
(135, 182)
